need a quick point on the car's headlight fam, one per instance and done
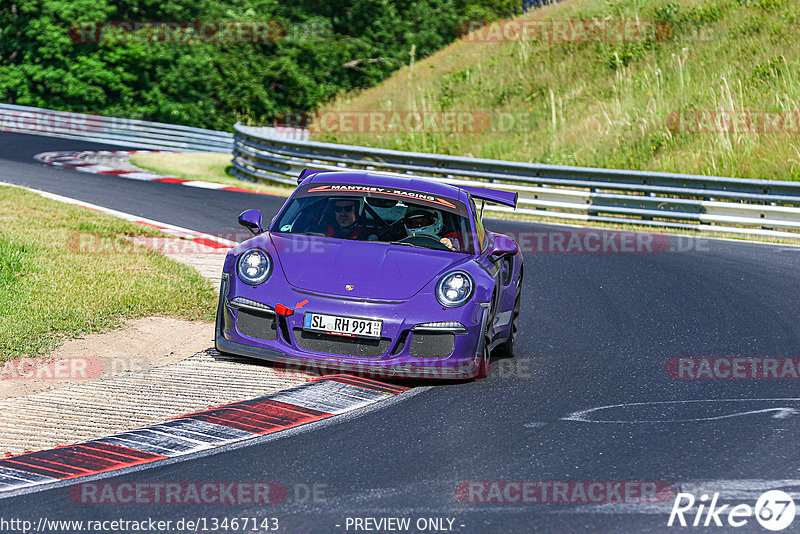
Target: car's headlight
(455, 289)
(254, 266)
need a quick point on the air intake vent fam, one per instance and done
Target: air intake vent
(432, 344)
(257, 325)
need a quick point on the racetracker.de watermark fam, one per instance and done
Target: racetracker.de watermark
(216, 243)
(600, 241)
(568, 31)
(563, 492)
(169, 493)
(178, 32)
(97, 243)
(712, 121)
(434, 370)
(56, 122)
(48, 368)
(389, 121)
(734, 368)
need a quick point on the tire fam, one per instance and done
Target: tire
(509, 348)
(484, 366)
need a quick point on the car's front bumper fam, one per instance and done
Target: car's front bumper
(282, 339)
(465, 369)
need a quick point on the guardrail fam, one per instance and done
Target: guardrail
(117, 131)
(681, 201)
(655, 199)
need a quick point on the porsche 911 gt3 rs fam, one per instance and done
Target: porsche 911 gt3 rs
(373, 274)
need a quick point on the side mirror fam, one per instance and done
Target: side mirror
(503, 246)
(251, 219)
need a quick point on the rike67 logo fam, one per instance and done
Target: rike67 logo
(774, 510)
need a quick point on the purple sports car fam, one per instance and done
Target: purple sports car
(373, 274)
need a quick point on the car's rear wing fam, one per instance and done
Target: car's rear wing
(308, 172)
(507, 198)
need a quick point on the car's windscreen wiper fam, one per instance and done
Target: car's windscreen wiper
(309, 233)
(402, 244)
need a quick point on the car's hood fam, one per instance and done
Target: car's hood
(372, 270)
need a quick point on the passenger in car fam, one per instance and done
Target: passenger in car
(429, 222)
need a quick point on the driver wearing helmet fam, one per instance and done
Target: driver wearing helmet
(420, 221)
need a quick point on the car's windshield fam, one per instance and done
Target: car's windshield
(383, 215)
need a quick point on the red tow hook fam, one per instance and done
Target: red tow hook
(280, 309)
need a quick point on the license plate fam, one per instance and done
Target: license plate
(342, 326)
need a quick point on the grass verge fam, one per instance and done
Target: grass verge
(676, 103)
(66, 271)
(205, 166)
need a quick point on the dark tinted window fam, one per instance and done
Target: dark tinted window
(390, 216)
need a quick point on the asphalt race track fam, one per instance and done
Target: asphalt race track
(597, 330)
